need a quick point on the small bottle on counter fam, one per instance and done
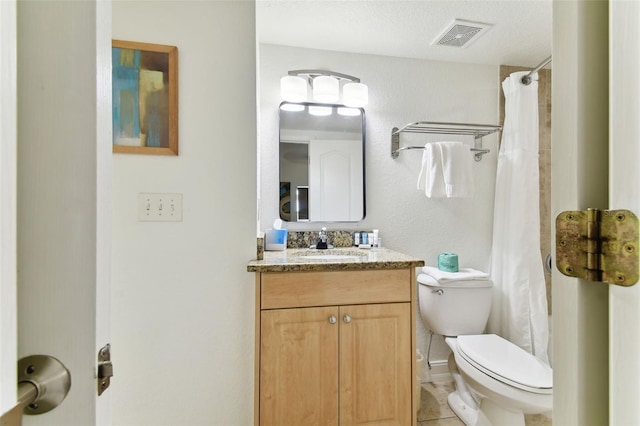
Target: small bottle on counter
(356, 239)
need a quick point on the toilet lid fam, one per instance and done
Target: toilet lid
(506, 362)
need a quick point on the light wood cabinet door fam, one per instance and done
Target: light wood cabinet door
(375, 364)
(299, 367)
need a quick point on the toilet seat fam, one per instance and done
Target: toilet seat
(506, 362)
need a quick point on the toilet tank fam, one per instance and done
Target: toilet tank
(455, 308)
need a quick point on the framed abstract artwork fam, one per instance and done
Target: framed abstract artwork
(145, 98)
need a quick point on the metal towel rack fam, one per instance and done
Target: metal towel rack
(478, 131)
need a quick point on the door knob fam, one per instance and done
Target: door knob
(43, 383)
(347, 319)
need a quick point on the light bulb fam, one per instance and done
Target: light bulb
(293, 88)
(355, 95)
(326, 89)
(350, 112)
(292, 107)
(319, 110)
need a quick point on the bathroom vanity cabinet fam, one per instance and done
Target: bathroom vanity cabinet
(335, 347)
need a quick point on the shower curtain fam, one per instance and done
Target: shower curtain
(519, 310)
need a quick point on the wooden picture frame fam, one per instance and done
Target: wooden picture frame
(145, 98)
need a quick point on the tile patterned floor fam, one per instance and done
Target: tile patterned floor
(434, 410)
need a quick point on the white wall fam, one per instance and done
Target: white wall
(183, 303)
(400, 91)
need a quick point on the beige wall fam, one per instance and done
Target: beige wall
(544, 120)
(183, 303)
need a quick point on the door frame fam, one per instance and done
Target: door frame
(624, 190)
(8, 136)
(579, 176)
(596, 106)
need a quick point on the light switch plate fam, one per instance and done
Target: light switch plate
(159, 207)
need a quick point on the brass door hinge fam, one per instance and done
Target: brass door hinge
(598, 245)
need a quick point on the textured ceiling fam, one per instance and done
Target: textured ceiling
(520, 35)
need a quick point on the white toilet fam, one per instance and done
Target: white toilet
(496, 381)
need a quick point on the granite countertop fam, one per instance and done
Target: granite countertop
(337, 259)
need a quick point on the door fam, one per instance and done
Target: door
(299, 366)
(331, 164)
(595, 138)
(61, 114)
(375, 364)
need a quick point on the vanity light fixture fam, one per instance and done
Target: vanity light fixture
(325, 88)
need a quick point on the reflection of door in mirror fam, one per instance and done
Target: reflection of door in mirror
(331, 149)
(336, 180)
(294, 173)
(302, 203)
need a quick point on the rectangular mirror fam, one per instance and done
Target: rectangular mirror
(321, 163)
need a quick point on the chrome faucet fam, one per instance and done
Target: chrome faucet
(323, 240)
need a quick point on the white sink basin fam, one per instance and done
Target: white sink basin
(330, 257)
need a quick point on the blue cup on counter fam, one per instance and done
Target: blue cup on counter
(448, 262)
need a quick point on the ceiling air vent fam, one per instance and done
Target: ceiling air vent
(461, 33)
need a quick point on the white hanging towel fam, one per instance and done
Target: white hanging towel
(457, 169)
(423, 169)
(446, 170)
(431, 177)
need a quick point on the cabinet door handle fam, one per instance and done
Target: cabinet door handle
(333, 319)
(347, 319)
